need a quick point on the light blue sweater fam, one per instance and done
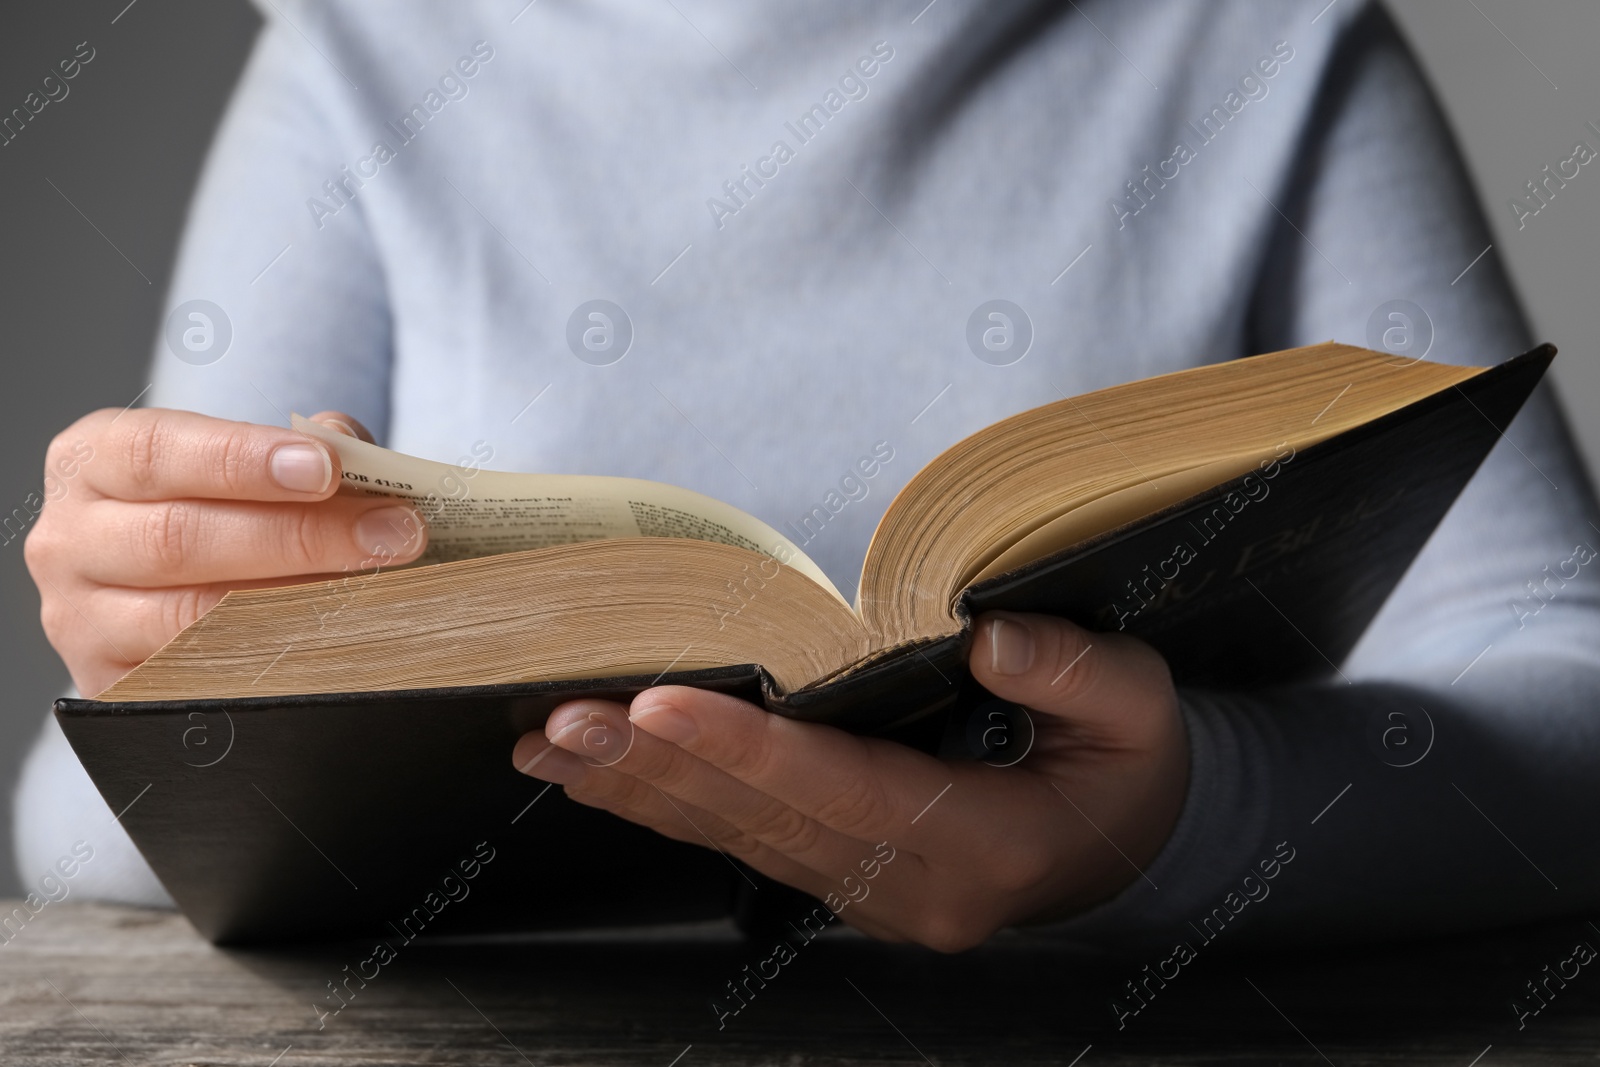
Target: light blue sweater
(798, 208)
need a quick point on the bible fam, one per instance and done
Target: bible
(1246, 518)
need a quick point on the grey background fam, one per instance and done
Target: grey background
(82, 282)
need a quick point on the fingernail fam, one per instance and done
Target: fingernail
(666, 722)
(594, 737)
(551, 764)
(301, 468)
(1010, 646)
(342, 426)
(394, 532)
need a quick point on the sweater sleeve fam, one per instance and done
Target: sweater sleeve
(1432, 784)
(310, 330)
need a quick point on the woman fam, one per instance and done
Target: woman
(793, 212)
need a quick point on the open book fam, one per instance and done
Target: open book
(541, 577)
(1247, 519)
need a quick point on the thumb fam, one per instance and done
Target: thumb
(1049, 665)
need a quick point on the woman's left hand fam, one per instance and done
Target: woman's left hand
(970, 847)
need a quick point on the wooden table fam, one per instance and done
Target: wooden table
(87, 984)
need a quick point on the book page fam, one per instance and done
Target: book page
(473, 512)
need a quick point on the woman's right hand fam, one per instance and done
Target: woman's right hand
(151, 516)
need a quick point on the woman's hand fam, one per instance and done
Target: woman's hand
(974, 847)
(150, 516)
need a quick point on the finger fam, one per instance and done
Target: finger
(842, 876)
(345, 424)
(609, 789)
(157, 454)
(1109, 682)
(647, 806)
(193, 542)
(680, 821)
(614, 760)
(866, 789)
